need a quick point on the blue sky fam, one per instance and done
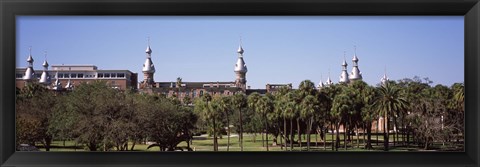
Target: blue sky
(278, 49)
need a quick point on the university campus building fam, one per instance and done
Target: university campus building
(65, 77)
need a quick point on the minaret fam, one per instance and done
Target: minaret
(385, 79)
(240, 70)
(344, 75)
(329, 81)
(57, 85)
(356, 74)
(320, 84)
(29, 73)
(148, 68)
(69, 83)
(45, 78)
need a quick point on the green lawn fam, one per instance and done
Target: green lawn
(203, 143)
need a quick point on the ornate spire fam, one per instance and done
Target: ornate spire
(320, 84)
(57, 85)
(344, 74)
(356, 74)
(148, 66)
(240, 69)
(385, 79)
(45, 77)
(69, 83)
(148, 50)
(240, 66)
(30, 58)
(29, 73)
(329, 81)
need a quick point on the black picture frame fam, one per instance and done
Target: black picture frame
(9, 9)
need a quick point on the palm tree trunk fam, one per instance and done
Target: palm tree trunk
(376, 132)
(385, 132)
(316, 137)
(357, 135)
(263, 139)
(368, 146)
(241, 130)
(309, 129)
(333, 136)
(285, 131)
(325, 138)
(215, 148)
(299, 135)
(337, 141)
(345, 131)
(291, 134)
(266, 131)
(228, 133)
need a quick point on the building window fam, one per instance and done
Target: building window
(100, 75)
(80, 75)
(121, 75)
(187, 93)
(113, 75)
(201, 93)
(107, 75)
(18, 75)
(228, 93)
(194, 93)
(74, 75)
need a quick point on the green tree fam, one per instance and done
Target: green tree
(209, 110)
(239, 102)
(341, 105)
(34, 107)
(310, 107)
(389, 102)
(265, 106)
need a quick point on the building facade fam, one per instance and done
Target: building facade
(64, 77)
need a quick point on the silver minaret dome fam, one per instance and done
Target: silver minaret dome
(344, 74)
(329, 81)
(45, 77)
(240, 66)
(29, 73)
(148, 65)
(320, 85)
(356, 74)
(57, 85)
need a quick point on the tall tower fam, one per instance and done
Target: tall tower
(45, 78)
(29, 73)
(385, 79)
(344, 74)
(329, 81)
(148, 67)
(320, 84)
(240, 70)
(356, 74)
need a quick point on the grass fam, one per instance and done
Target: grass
(254, 143)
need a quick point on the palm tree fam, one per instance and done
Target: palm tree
(305, 88)
(310, 106)
(239, 102)
(264, 107)
(368, 113)
(208, 110)
(389, 102)
(289, 113)
(224, 105)
(342, 104)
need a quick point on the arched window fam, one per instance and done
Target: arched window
(201, 93)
